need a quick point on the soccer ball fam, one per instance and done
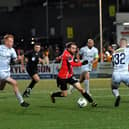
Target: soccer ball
(82, 102)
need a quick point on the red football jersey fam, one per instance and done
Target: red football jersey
(67, 64)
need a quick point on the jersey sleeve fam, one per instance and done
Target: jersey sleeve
(127, 53)
(13, 55)
(81, 51)
(71, 62)
(96, 55)
(41, 55)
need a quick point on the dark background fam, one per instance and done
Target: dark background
(82, 15)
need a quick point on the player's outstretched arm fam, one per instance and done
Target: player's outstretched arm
(73, 63)
(77, 64)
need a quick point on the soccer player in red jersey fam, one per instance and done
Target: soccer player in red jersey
(65, 74)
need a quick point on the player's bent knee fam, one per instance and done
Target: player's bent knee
(114, 86)
(36, 80)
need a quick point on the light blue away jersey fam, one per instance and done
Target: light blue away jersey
(6, 54)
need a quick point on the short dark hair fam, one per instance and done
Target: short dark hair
(123, 39)
(69, 44)
(37, 43)
(8, 36)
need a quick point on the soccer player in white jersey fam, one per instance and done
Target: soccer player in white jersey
(89, 53)
(7, 53)
(120, 69)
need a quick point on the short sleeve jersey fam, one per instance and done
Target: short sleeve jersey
(88, 54)
(6, 55)
(120, 60)
(33, 58)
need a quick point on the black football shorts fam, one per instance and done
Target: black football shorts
(31, 71)
(62, 83)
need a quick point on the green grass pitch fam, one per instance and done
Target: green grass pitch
(65, 114)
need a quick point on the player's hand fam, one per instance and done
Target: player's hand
(19, 58)
(58, 58)
(41, 61)
(85, 62)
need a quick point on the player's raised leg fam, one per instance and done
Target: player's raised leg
(16, 91)
(85, 94)
(116, 79)
(115, 92)
(62, 84)
(84, 77)
(62, 93)
(35, 79)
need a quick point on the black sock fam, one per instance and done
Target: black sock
(88, 97)
(32, 84)
(57, 94)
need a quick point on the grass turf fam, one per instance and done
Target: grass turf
(65, 114)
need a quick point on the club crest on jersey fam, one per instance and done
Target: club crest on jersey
(70, 59)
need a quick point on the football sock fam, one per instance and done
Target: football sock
(57, 94)
(115, 92)
(32, 84)
(88, 97)
(117, 102)
(86, 83)
(71, 88)
(19, 97)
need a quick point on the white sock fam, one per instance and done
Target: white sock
(19, 97)
(71, 89)
(86, 83)
(115, 92)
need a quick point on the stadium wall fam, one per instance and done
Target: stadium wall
(104, 70)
